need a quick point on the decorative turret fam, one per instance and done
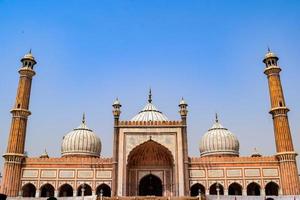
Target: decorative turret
(183, 108)
(15, 154)
(283, 139)
(116, 108)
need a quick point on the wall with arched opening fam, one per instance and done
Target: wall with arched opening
(105, 189)
(65, 190)
(272, 189)
(146, 158)
(28, 190)
(47, 190)
(253, 189)
(150, 185)
(196, 189)
(86, 189)
(235, 189)
(213, 189)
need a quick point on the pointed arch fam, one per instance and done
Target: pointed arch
(28, 190)
(86, 188)
(150, 153)
(271, 189)
(213, 189)
(105, 189)
(47, 190)
(235, 189)
(65, 190)
(150, 185)
(196, 188)
(253, 189)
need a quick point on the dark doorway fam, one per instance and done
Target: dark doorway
(66, 190)
(105, 189)
(28, 190)
(235, 189)
(150, 185)
(196, 188)
(86, 188)
(213, 189)
(271, 189)
(253, 189)
(47, 190)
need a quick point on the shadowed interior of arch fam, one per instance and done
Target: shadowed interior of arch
(28, 190)
(47, 190)
(150, 185)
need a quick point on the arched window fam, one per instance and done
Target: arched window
(213, 189)
(28, 190)
(65, 190)
(105, 189)
(196, 188)
(235, 189)
(271, 189)
(47, 190)
(269, 63)
(253, 189)
(86, 188)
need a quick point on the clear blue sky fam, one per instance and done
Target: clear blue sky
(90, 52)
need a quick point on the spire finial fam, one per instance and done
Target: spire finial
(83, 118)
(150, 96)
(217, 120)
(269, 49)
(30, 51)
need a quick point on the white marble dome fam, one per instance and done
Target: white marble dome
(219, 141)
(82, 141)
(150, 112)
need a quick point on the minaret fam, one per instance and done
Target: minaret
(283, 139)
(116, 112)
(15, 149)
(183, 113)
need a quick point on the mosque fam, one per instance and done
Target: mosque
(150, 154)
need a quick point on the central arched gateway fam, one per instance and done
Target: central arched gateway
(150, 185)
(150, 170)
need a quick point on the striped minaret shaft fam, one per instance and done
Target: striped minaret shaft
(283, 139)
(15, 148)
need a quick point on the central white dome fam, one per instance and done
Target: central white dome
(149, 113)
(82, 141)
(219, 141)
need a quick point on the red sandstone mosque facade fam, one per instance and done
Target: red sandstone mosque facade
(150, 154)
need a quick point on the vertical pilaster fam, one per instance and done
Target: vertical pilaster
(16, 142)
(283, 138)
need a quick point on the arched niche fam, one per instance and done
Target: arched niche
(65, 190)
(235, 189)
(105, 189)
(86, 189)
(253, 189)
(47, 190)
(213, 189)
(271, 189)
(196, 189)
(28, 190)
